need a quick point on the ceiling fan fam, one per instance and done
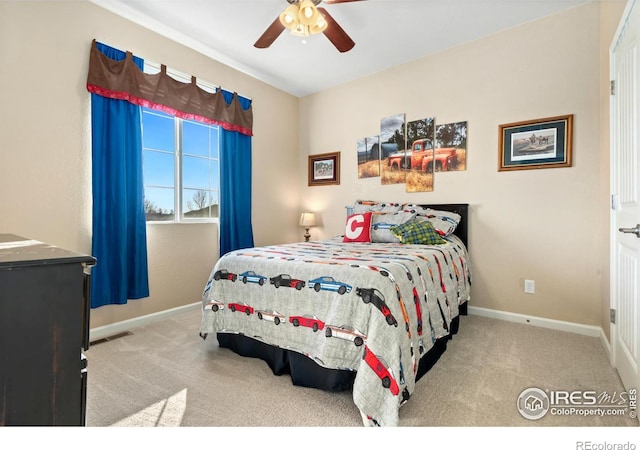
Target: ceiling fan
(304, 17)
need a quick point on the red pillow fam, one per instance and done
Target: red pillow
(358, 228)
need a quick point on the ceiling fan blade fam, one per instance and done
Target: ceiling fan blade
(334, 32)
(270, 34)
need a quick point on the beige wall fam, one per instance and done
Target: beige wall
(548, 225)
(45, 161)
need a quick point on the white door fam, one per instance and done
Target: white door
(625, 187)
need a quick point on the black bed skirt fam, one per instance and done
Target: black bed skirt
(305, 372)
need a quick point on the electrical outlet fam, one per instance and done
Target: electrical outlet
(529, 286)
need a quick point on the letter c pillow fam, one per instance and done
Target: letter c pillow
(358, 228)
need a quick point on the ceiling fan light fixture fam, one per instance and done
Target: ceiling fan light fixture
(308, 14)
(303, 18)
(300, 30)
(289, 17)
(319, 26)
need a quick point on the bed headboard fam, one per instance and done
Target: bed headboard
(458, 208)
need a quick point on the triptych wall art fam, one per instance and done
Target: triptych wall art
(412, 152)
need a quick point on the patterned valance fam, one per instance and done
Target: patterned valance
(125, 81)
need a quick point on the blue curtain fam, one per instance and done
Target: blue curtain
(119, 240)
(236, 230)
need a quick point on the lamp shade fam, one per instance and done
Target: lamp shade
(289, 17)
(308, 14)
(319, 25)
(307, 219)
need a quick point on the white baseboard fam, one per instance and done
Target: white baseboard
(571, 327)
(126, 325)
(605, 342)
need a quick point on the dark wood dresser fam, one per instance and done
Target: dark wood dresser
(44, 327)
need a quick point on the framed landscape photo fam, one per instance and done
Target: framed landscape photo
(324, 169)
(537, 144)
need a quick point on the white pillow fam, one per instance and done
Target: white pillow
(444, 222)
(374, 206)
(381, 224)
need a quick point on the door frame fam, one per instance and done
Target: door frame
(613, 232)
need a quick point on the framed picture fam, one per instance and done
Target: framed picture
(324, 169)
(537, 144)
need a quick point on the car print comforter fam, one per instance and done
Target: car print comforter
(375, 309)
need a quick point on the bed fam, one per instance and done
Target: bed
(370, 312)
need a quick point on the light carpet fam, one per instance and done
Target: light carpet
(164, 374)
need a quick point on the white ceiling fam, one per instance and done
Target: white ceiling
(386, 32)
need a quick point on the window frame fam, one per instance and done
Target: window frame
(178, 154)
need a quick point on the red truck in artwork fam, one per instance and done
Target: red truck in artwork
(421, 155)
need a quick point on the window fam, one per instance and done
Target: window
(180, 168)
